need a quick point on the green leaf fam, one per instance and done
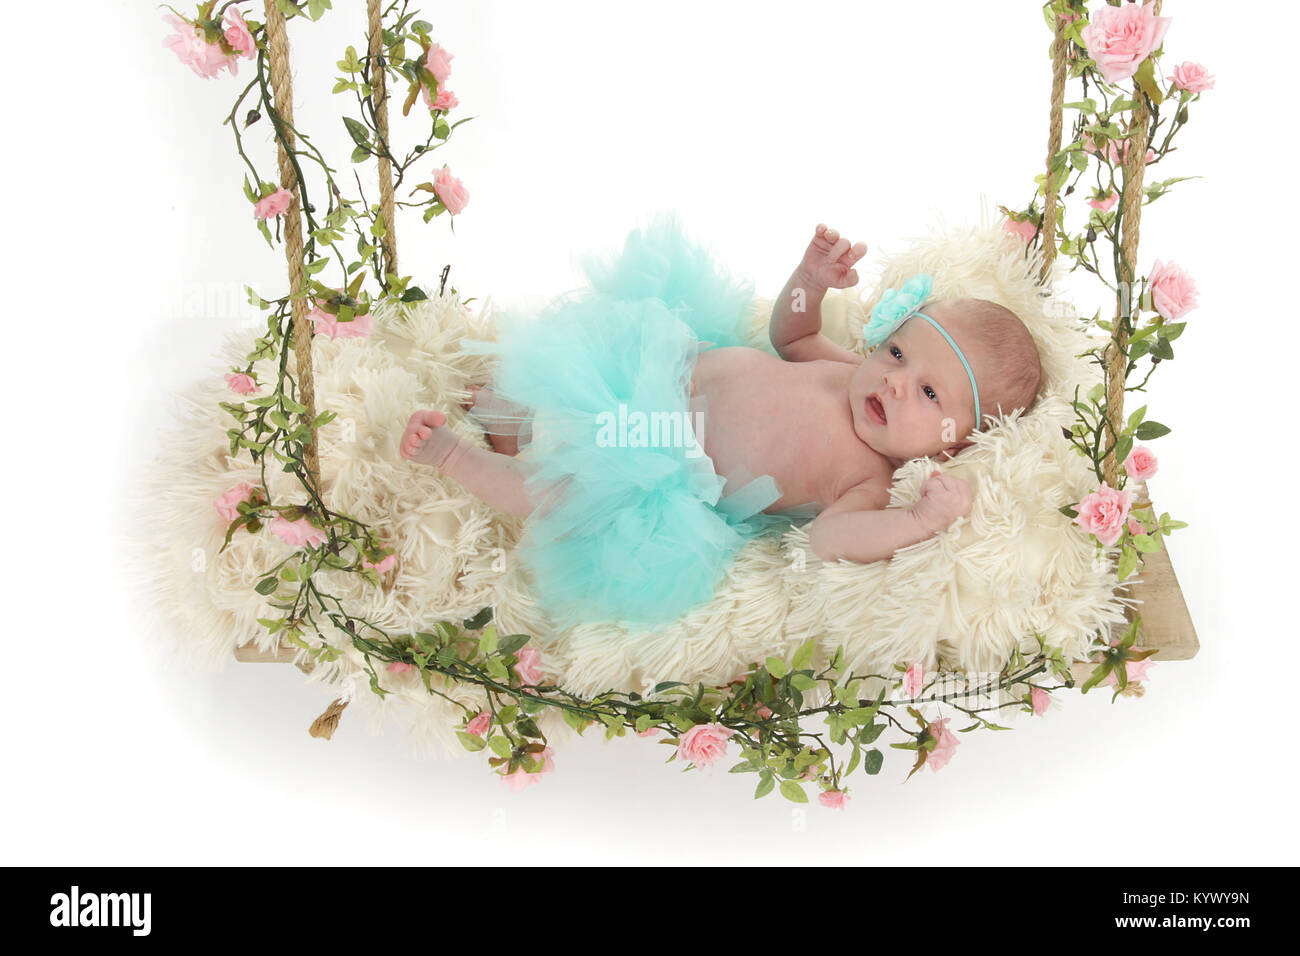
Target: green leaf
(1123, 447)
(357, 130)
(1146, 543)
(873, 761)
(500, 745)
(512, 643)
(1149, 430)
(1146, 80)
(471, 742)
(765, 784)
(266, 585)
(1128, 562)
(1068, 511)
(802, 682)
(776, 667)
(488, 642)
(414, 294)
(804, 655)
(1162, 349)
(360, 154)
(793, 792)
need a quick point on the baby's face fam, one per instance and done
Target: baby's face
(911, 397)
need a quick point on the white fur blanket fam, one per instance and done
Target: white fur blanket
(1013, 568)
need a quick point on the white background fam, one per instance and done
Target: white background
(756, 121)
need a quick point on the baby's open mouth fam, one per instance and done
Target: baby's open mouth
(875, 410)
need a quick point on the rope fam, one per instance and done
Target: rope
(1135, 163)
(277, 43)
(379, 99)
(328, 722)
(1048, 244)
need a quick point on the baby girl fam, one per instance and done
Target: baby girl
(828, 426)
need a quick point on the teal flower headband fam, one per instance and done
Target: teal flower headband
(898, 305)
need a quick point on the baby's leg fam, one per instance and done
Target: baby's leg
(506, 424)
(496, 480)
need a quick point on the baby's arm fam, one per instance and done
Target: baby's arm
(795, 329)
(859, 527)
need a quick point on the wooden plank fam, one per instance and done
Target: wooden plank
(283, 654)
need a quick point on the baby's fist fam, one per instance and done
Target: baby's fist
(944, 499)
(829, 260)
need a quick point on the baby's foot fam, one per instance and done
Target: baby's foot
(427, 439)
(502, 421)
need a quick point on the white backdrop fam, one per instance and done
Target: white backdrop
(131, 240)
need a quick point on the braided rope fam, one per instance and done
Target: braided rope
(1135, 163)
(277, 43)
(380, 100)
(1048, 242)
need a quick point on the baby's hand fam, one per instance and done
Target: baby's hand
(829, 260)
(944, 499)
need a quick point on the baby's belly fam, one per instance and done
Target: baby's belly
(756, 422)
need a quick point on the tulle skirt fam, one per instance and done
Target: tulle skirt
(633, 525)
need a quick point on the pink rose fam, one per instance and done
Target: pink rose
(529, 667)
(1026, 230)
(764, 711)
(1193, 78)
(648, 732)
(298, 533)
(273, 204)
(226, 505)
(521, 779)
(438, 62)
(325, 324)
(205, 59)
(1120, 38)
(1133, 670)
(238, 35)
(704, 744)
(946, 746)
(241, 383)
(835, 799)
(450, 190)
(1115, 152)
(1040, 700)
(913, 680)
(1103, 512)
(382, 566)
(445, 99)
(1106, 204)
(479, 725)
(1135, 526)
(1172, 290)
(1140, 463)
(400, 667)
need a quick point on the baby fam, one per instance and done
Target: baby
(828, 425)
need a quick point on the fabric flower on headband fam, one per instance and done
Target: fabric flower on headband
(895, 306)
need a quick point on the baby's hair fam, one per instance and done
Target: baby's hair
(1011, 371)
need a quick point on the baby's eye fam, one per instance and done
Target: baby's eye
(895, 352)
(930, 393)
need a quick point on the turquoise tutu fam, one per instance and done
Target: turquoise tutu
(634, 525)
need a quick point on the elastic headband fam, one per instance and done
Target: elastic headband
(896, 306)
(965, 364)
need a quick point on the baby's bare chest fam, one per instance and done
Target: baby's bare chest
(762, 415)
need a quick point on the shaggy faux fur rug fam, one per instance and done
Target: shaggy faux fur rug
(968, 596)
